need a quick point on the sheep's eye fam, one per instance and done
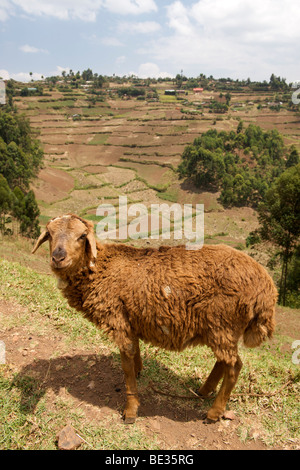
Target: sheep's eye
(82, 237)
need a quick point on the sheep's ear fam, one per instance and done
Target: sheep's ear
(92, 240)
(42, 239)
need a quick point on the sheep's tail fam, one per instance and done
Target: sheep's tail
(262, 324)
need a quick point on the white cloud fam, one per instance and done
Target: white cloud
(250, 19)
(238, 39)
(59, 70)
(120, 60)
(6, 9)
(135, 7)
(141, 27)
(178, 18)
(95, 40)
(61, 9)
(86, 10)
(4, 74)
(111, 41)
(20, 76)
(32, 50)
(150, 70)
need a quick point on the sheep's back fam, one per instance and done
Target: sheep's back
(174, 296)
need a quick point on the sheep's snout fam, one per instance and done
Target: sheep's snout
(58, 256)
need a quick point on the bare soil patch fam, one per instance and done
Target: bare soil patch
(52, 185)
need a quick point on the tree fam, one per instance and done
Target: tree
(10, 91)
(178, 80)
(240, 127)
(242, 164)
(277, 83)
(20, 155)
(228, 98)
(293, 158)
(279, 217)
(29, 217)
(20, 159)
(87, 75)
(99, 81)
(6, 199)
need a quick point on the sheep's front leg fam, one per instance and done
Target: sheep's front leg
(132, 403)
(231, 374)
(213, 379)
(138, 364)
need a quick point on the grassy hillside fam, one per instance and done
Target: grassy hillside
(60, 369)
(100, 147)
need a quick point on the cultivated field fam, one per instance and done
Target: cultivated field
(132, 147)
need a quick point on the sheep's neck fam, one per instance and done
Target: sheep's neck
(75, 286)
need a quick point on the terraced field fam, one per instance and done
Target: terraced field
(132, 147)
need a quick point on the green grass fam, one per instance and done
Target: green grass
(171, 194)
(53, 104)
(24, 426)
(167, 98)
(26, 420)
(99, 139)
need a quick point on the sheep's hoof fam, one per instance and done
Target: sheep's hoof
(205, 392)
(128, 420)
(213, 415)
(202, 392)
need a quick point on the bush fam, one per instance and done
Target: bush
(241, 165)
(20, 160)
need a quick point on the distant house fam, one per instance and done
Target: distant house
(197, 90)
(170, 92)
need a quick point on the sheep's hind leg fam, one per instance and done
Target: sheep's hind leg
(138, 364)
(213, 379)
(132, 402)
(231, 374)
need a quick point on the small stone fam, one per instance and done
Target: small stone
(255, 434)
(229, 415)
(67, 439)
(91, 385)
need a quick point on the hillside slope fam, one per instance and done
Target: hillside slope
(60, 369)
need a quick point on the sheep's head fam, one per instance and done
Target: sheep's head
(71, 242)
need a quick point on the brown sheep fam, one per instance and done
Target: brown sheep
(170, 297)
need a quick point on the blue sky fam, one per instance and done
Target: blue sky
(223, 38)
